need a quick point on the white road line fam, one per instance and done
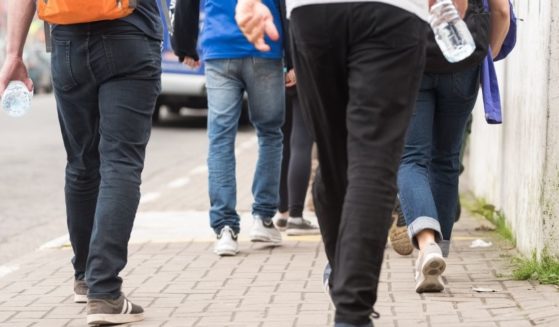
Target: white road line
(149, 197)
(178, 183)
(8, 269)
(199, 170)
(56, 243)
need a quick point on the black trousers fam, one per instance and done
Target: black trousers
(296, 159)
(358, 66)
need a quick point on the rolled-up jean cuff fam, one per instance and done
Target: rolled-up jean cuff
(422, 223)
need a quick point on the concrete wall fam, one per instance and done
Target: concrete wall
(515, 166)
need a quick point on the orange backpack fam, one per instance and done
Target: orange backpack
(64, 12)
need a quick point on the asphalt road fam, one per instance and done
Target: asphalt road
(32, 161)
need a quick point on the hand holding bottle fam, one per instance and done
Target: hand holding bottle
(16, 88)
(451, 33)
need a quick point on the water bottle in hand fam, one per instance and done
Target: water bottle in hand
(16, 100)
(451, 33)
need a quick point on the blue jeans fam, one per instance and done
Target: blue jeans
(430, 165)
(226, 82)
(106, 79)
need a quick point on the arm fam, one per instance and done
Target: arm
(285, 29)
(500, 23)
(185, 30)
(20, 14)
(461, 5)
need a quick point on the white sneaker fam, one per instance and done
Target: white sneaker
(226, 244)
(300, 226)
(429, 267)
(264, 231)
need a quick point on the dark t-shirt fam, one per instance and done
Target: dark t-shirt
(146, 18)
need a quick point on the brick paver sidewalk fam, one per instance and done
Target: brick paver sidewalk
(184, 284)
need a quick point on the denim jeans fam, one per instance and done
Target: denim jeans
(358, 66)
(430, 165)
(226, 82)
(106, 79)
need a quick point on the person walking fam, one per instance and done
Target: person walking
(106, 77)
(358, 65)
(233, 66)
(297, 151)
(430, 165)
(295, 167)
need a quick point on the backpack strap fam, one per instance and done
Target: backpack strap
(48, 38)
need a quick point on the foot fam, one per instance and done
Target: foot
(398, 235)
(263, 230)
(226, 244)
(301, 226)
(110, 312)
(429, 267)
(80, 291)
(281, 223)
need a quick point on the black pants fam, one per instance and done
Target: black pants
(296, 160)
(359, 66)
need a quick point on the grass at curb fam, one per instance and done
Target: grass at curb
(544, 269)
(488, 211)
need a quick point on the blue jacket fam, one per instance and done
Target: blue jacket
(221, 38)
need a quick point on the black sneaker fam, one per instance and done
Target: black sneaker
(80, 291)
(111, 312)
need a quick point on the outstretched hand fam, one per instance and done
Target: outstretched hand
(255, 21)
(14, 70)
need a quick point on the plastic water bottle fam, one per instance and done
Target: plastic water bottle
(16, 100)
(451, 33)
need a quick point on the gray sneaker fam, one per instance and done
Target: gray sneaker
(429, 267)
(110, 312)
(80, 291)
(300, 226)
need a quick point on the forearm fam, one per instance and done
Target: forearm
(20, 15)
(462, 6)
(500, 23)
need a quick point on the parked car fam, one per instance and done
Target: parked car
(181, 86)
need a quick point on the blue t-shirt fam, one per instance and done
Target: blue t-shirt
(222, 38)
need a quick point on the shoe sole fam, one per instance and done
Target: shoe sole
(264, 239)
(400, 240)
(300, 232)
(78, 298)
(111, 319)
(226, 253)
(432, 269)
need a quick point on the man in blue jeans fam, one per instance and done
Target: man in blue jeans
(234, 66)
(106, 78)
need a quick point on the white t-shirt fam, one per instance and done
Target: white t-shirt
(418, 7)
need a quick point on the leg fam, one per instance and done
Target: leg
(225, 96)
(265, 88)
(126, 103)
(416, 199)
(376, 118)
(78, 114)
(286, 129)
(300, 163)
(457, 97)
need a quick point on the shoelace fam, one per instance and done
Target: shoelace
(375, 315)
